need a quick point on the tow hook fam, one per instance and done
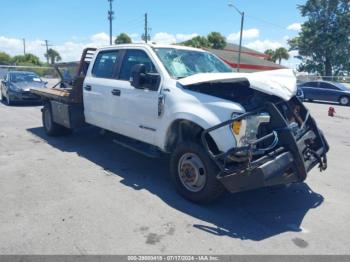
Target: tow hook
(322, 160)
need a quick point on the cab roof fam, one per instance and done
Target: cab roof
(148, 45)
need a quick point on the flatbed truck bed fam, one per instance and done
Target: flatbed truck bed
(57, 94)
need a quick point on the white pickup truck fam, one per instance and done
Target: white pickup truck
(223, 130)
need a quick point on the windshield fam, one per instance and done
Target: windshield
(184, 63)
(24, 77)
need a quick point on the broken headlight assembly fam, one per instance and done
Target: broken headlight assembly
(246, 133)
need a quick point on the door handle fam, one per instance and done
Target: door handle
(87, 88)
(116, 92)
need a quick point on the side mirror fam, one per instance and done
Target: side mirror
(4, 82)
(142, 80)
(138, 74)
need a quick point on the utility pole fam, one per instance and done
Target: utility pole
(240, 43)
(146, 28)
(241, 35)
(24, 46)
(47, 50)
(110, 18)
(146, 36)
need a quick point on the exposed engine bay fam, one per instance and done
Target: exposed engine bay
(277, 141)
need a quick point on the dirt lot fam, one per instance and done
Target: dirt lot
(85, 195)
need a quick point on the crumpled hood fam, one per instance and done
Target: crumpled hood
(281, 83)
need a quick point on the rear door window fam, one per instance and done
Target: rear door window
(328, 86)
(105, 64)
(311, 84)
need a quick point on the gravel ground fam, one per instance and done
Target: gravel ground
(83, 194)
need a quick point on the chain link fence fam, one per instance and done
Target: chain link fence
(340, 79)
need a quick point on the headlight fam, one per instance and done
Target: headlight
(236, 127)
(246, 130)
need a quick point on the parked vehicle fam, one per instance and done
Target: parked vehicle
(15, 87)
(300, 94)
(326, 91)
(223, 130)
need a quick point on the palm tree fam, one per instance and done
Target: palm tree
(271, 55)
(53, 56)
(281, 53)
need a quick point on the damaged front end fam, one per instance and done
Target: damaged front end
(277, 143)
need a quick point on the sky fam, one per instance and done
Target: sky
(71, 25)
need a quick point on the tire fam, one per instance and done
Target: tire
(190, 163)
(2, 98)
(344, 100)
(8, 101)
(50, 127)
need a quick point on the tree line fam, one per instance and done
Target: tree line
(214, 40)
(29, 59)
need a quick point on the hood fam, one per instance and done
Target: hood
(26, 86)
(281, 83)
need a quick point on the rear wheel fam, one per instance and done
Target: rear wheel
(194, 173)
(51, 128)
(344, 100)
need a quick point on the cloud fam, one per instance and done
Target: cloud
(247, 34)
(11, 45)
(164, 38)
(294, 27)
(185, 37)
(262, 46)
(167, 38)
(100, 39)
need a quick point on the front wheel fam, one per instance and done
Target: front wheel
(194, 173)
(2, 98)
(8, 101)
(344, 101)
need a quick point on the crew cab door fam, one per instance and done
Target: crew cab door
(99, 86)
(138, 107)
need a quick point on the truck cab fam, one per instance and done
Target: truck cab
(223, 130)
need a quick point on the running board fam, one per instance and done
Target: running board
(137, 146)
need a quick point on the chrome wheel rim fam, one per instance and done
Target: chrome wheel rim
(192, 172)
(47, 119)
(344, 100)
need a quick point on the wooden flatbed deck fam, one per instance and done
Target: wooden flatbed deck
(57, 94)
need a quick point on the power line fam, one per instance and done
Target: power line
(267, 22)
(132, 21)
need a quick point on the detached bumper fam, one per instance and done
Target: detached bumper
(289, 162)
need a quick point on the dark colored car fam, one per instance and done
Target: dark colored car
(300, 94)
(16, 85)
(326, 91)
